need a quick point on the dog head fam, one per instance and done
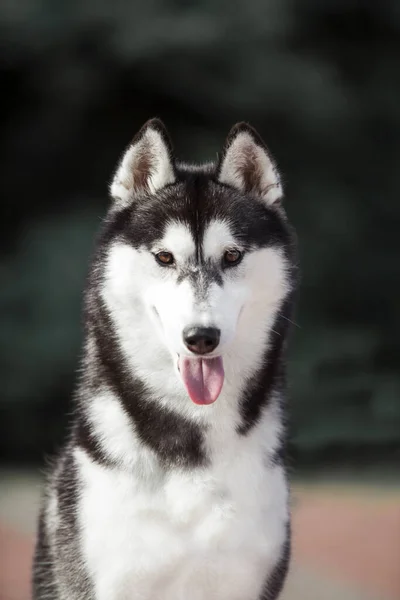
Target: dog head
(198, 258)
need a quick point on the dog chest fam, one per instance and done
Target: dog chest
(187, 536)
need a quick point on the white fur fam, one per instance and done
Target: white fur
(212, 533)
(152, 146)
(177, 237)
(117, 436)
(243, 150)
(136, 285)
(217, 238)
(52, 515)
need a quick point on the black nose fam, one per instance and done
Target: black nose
(201, 340)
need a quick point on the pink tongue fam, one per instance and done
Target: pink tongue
(203, 378)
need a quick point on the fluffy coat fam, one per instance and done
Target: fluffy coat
(155, 497)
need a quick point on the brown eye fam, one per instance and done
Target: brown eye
(165, 258)
(232, 257)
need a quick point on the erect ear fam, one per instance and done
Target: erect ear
(246, 165)
(146, 166)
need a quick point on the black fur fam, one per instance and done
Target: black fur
(200, 282)
(177, 441)
(85, 438)
(276, 580)
(43, 582)
(49, 571)
(271, 377)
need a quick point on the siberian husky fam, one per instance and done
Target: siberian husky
(172, 484)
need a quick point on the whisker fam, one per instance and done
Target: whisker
(290, 321)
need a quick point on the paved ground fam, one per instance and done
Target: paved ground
(351, 535)
(346, 541)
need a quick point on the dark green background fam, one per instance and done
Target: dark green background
(321, 82)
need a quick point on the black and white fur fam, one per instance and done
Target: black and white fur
(153, 496)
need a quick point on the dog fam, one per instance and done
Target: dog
(172, 484)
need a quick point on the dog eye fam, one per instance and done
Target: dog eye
(232, 257)
(165, 258)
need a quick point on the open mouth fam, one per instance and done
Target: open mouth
(203, 378)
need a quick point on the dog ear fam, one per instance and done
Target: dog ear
(146, 166)
(246, 165)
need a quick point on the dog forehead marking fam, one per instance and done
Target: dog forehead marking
(217, 237)
(178, 239)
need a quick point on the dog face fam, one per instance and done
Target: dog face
(201, 254)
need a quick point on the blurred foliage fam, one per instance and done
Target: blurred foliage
(320, 80)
